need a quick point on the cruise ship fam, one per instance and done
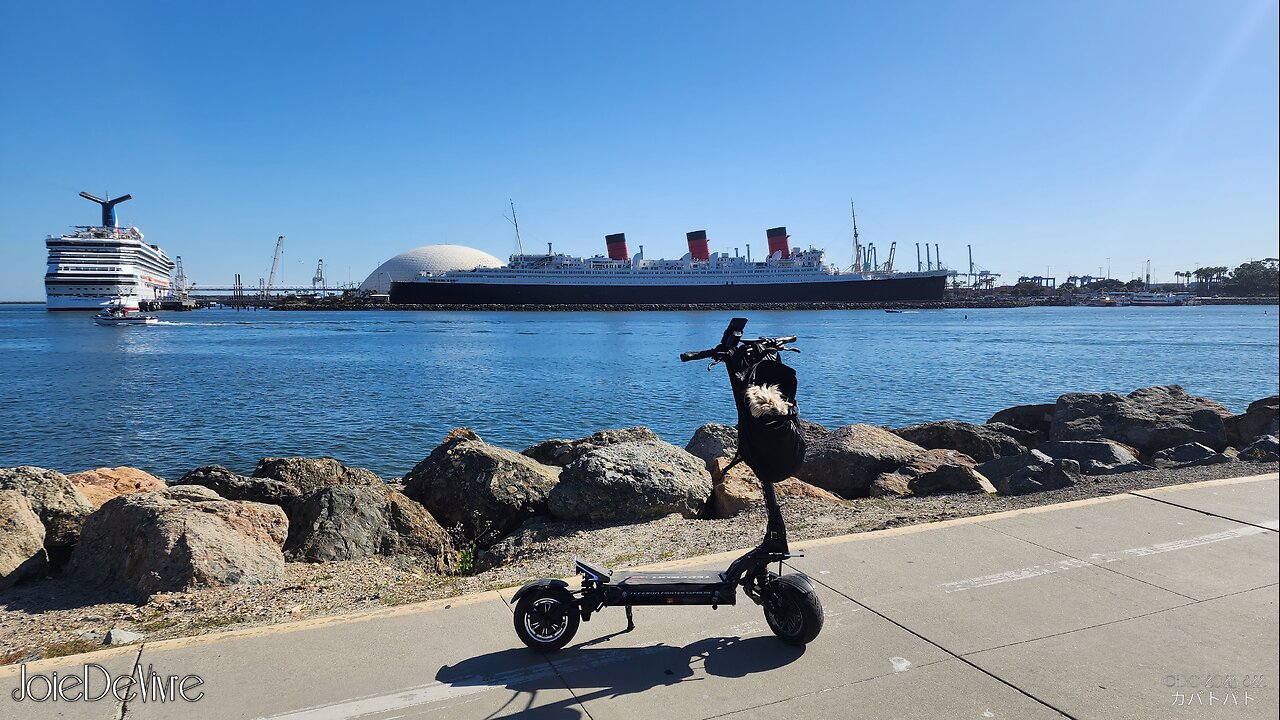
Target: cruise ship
(98, 264)
(785, 275)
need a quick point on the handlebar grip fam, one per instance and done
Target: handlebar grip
(786, 340)
(696, 355)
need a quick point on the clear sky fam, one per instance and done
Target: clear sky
(1049, 135)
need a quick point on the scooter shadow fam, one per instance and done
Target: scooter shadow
(613, 672)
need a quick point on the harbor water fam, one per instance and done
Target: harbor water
(380, 389)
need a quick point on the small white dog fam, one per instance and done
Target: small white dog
(767, 400)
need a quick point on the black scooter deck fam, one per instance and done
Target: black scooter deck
(670, 588)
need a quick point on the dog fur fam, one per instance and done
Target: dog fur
(767, 400)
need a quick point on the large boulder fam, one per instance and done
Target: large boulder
(1033, 418)
(343, 522)
(1264, 449)
(1149, 419)
(977, 441)
(632, 481)
(1189, 455)
(1096, 457)
(739, 489)
(712, 442)
(180, 538)
(1258, 420)
(61, 506)
(562, 453)
(1025, 438)
(311, 474)
(1032, 471)
(103, 484)
(479, 491)
(22, 552)
(813, 431)
(848, 459)
(233, 486)
(934, 472)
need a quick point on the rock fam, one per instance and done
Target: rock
(1096, 457)
(183, 537)
(934, 472)
(1255, 422)
(1264, 449)
(480, 490)
(1189, 455)
(22, 553)
(977, 441)
(812, 431)
(103, 484)
(1025, 438)
(62, 508)
(524, 541)
(232, 486)
(712, 442)
(740, 490)
(632, 481)
(562, 453)
(848, 459)
(347, 523)
(1149, 419)
(311, 474)
(117, 636)
(1032, 471)
(1032, 418)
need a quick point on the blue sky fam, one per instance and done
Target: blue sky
(1047, 135)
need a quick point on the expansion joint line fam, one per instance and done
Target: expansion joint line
(136, 670)
(944, 649)
(1137, 493)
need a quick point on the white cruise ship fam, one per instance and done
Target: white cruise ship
(97, 264)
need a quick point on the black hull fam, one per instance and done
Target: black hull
(901, 290)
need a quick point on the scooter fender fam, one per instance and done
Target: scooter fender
(800, 581)
(537, 584)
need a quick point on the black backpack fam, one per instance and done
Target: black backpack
(773, 445)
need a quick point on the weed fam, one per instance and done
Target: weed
(70, 647)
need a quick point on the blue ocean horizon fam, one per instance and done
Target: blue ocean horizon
(379, 389)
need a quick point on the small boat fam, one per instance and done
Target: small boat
(893, 311)
(119, 315)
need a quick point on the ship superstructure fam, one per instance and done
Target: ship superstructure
(97, 264)
(785, 275)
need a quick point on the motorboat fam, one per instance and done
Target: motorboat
(119, 315)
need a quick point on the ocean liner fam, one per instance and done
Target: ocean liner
(786, 275)
(97, 264)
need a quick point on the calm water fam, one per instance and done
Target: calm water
(379, 389)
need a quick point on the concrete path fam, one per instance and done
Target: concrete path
(1155, 604)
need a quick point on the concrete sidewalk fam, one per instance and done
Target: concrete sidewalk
(1161, 603)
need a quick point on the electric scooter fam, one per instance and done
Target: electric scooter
(547, 612)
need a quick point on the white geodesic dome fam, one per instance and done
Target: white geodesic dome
(434, 259)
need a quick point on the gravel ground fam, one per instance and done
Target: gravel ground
(55, 617)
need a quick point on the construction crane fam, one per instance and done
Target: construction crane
(179, 279)
(893, 249)
(275, 263)
(317, 280)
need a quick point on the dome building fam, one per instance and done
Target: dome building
(432, 259)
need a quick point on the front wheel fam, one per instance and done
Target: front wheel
(546, 619)
(792, 609)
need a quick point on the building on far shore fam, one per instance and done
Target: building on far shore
(433, 259)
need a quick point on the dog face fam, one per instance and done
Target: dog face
(767, 400)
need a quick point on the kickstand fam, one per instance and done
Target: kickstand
(631, 623)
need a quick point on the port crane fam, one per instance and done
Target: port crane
(317, 280)
(275, 263)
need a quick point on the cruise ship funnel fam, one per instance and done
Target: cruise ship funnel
(698, 248)
(108, 207)
(617, 246)
(778, 241)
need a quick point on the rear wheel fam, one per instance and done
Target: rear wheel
(794, 612)
(546, 619)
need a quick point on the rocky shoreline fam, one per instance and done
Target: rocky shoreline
(116, 555)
